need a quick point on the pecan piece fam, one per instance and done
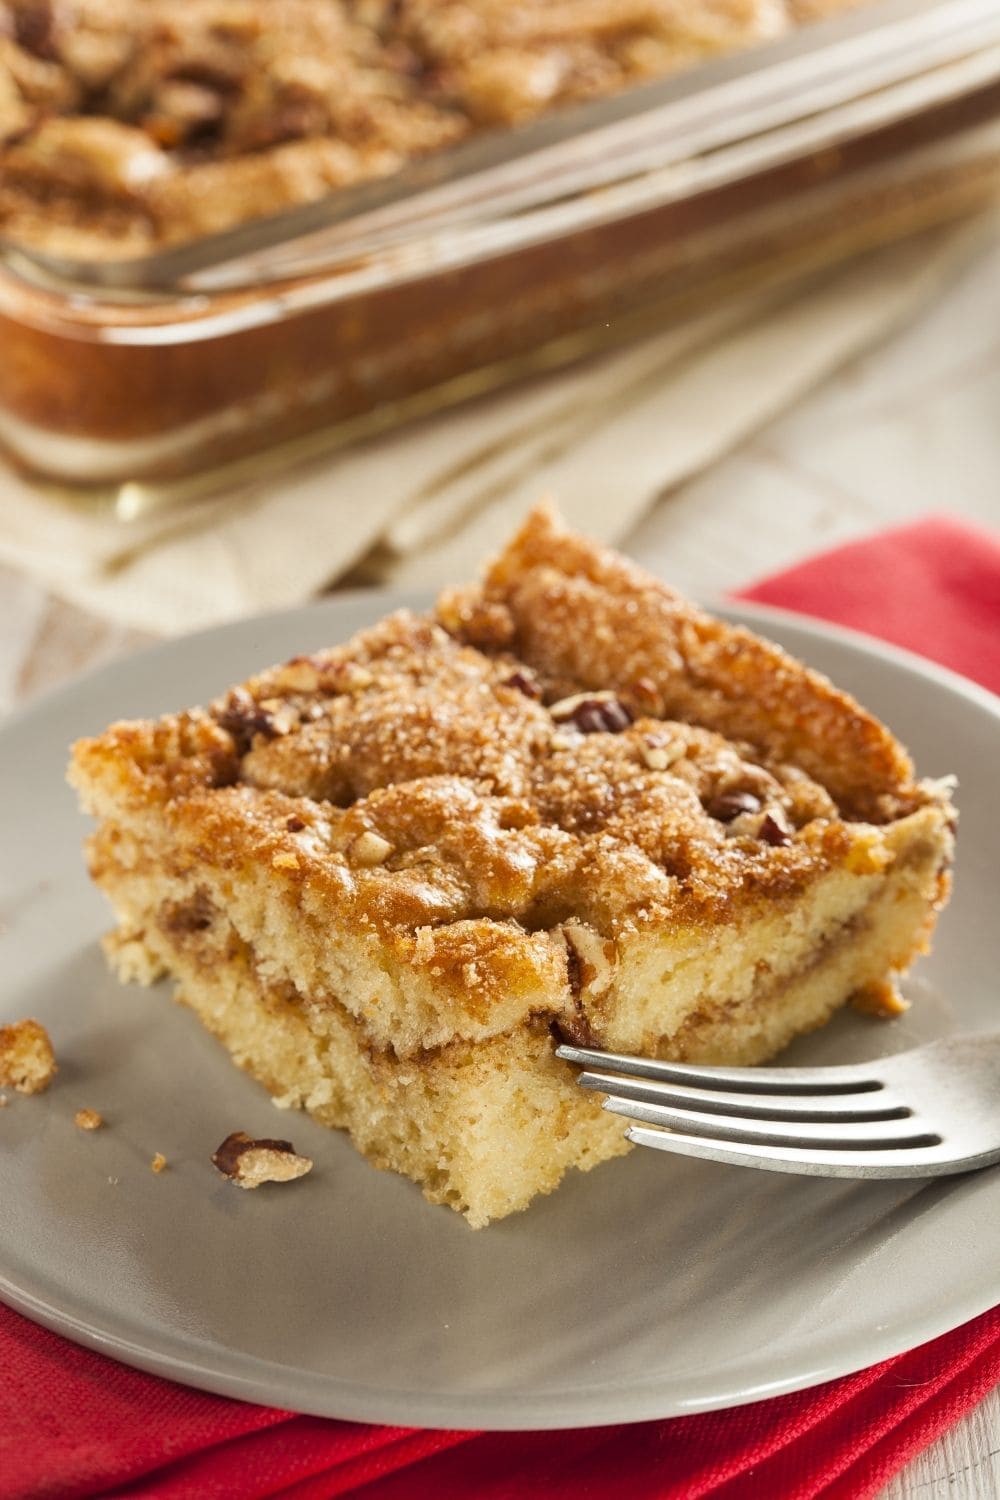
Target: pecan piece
(370, 849)
(524, 682)
(730, 805)
(658, 754)
(880, 998)
(769, 825)
(249, 1162)
(592, 713)
(36, 28)
(245, 718)
(773, 832)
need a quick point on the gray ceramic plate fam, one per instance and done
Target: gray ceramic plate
(650, 1287)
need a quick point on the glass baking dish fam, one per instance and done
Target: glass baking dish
(154, 380)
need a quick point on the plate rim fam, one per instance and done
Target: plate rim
(225, 1372)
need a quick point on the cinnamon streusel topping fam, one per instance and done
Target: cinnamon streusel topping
(411, 776)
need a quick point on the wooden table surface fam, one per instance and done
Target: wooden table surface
(909, 428)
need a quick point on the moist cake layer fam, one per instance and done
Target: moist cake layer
(571, 800)
(484, 1127)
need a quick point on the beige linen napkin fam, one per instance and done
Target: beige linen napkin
(423, 505)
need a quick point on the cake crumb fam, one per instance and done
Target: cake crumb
(27, 1061)
(250, 1163)
(158, 1163)
(88, 1119)
(880, 998)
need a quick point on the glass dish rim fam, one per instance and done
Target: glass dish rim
(719, 103)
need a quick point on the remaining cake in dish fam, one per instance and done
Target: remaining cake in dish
(126, 125)
(390, 875)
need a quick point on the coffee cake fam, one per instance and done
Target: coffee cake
(128, 125)
(567, 803)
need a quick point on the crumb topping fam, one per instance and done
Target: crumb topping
(130, 124)
(496, 796)
(410, 772)
(88, 1119)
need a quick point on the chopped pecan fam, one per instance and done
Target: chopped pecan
(575, 1029)
(727, 806)
(592, 713)
(645, 692)
(590, 966)
(464, 613)
(772, 830)
(250, 1163)
(370, 849)
(660, 754)
(524, 682)
(300, 675)
(36, 28)
(590, 958)
(244, 717)
(767, 824)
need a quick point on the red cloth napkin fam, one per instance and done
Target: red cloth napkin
(932, 587)
(73, 1423)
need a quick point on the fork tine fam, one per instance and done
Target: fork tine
(881, 1104)
(924, 1161)
(842, 1079)
(861, 1137)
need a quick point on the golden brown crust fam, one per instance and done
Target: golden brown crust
(437, 793)
(126, 126)
(663, 655)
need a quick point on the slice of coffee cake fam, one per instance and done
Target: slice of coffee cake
(389, 875)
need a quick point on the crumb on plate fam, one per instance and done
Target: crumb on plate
(250, 1163)
(27, 1061)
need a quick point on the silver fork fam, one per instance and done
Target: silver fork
(917, 1114)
